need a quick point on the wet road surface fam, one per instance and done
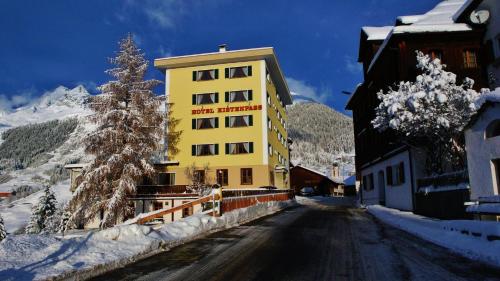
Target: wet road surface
(314, 242)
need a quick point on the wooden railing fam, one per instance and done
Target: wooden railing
(233, 203)
(249, 192)
(160, 189)
(160, 213)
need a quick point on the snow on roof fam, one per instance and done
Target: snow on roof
(493, 96)
(377, 33)
(409, 19)
(318, 173)
(439, 19)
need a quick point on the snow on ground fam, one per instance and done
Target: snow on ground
(325, 200)
(466, 237)
(16, 214)
(37, 257)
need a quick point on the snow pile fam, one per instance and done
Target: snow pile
(478, 240)
(493, 96)
(37, 257)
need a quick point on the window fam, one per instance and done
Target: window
(204, 149)
(199, 176)
(436, 54)
(493, 129)
(186, 212)
(368, 182)
(268, 99)
(238, 96)
(208, 98)
(239, 121)
(166, 179)
(238, 72)
(268, 76)
(205, 123)
(470, 59)
(157, 205)
(388, 174)
(496, 176)
(269, 123)
(222, 177)
(395, 174)
(204, 75)
(246, 176)
(270, 149)
(239, 148)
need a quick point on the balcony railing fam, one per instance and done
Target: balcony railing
(160, 189)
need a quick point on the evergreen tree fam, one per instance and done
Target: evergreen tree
(430, 113)
(129, 131)
(3, 233)
(46, 208)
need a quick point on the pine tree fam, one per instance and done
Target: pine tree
(129, 131)
(3, 233)
(430, 113)
(42, 212)
(63, 226)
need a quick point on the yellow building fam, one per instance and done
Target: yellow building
(230, 107)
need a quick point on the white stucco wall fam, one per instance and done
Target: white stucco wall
(493, 33)
(399, 197)
(480, 152)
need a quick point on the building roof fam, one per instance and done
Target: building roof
(376, 32)
(266, 53)
(439, 19)
(317, 173)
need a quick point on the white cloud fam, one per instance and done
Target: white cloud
(164, 53)
(352, 65)
(161, 13)
(302, 88)
(9, 102)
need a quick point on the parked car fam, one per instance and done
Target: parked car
(307, 191)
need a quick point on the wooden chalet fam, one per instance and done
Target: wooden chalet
(301, 177)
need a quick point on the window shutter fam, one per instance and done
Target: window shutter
(250, 145)
(249, 70)
(216, 149)
(226, 72)
(193, 124)
(193, 150)
(227, 148)
(250, 95)
(226, 96)
(216, 122)
(216, 97)
(226, 121)
(194, 99)
(216, 74)
(194, 75)
(250, 120)
(388, 174)
(401, 172)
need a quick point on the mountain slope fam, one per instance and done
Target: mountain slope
(321, 137)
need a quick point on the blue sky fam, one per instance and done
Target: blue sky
(45, 44)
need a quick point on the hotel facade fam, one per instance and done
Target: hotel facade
(230, 108)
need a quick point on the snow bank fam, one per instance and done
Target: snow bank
(478, 240)
(493, 96)
(38, 257)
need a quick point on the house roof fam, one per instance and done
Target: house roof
(266, 53)
(439, 19)
(317, 173)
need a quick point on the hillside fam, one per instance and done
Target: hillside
(321, 136)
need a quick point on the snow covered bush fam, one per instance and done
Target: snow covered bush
(42, 212)
(3, 233)
(129, 131)
(430, 113)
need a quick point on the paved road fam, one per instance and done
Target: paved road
(308, 243)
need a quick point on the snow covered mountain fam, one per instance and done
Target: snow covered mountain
(61, 103)
(33, 153)
(321, 136)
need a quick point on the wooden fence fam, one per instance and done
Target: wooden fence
(237, 202)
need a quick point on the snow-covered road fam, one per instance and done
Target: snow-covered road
(316, 241)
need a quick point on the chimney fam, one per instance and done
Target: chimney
(222, 48)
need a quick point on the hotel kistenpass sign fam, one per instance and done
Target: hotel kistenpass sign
(226, 109)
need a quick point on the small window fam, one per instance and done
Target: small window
(239, 96)
(268, 99)
(205, 123)
(436, 54)
(205, 149)
(157, 205)
(368, 183)
(222, 177)
(493, 129)
(205, 75)
(246, 176)
(396, 174)
(238, 72)
(239, 148)
(207, 98)
(270, 149)
(470, 59)
(199, 176)
(268, 76)
(239, 121)
(269, 123)
(388, 174)
(166, 179)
